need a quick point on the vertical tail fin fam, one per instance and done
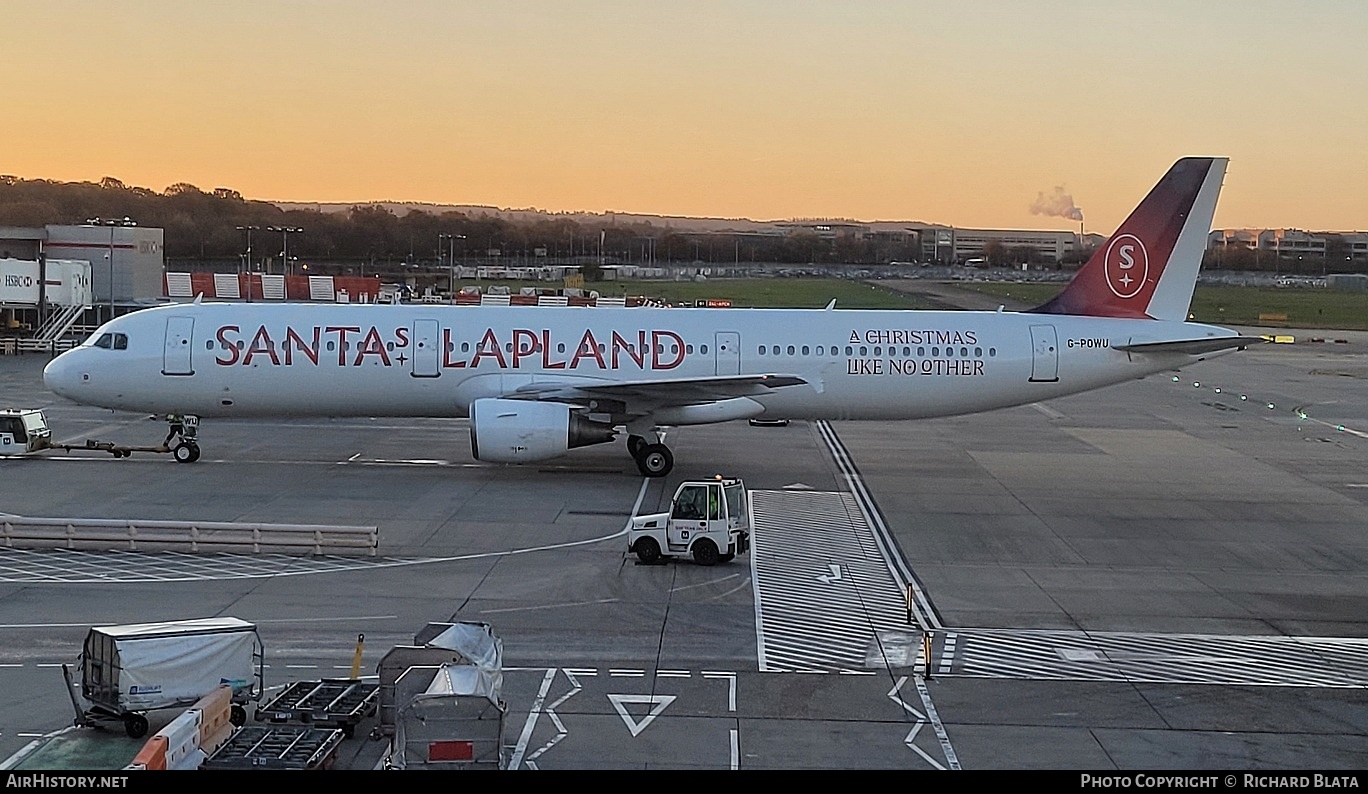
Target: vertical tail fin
(1148, 268)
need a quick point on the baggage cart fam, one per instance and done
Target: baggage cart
(132, 669)
(277, 747)
(327, 703)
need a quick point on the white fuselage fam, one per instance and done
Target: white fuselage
(235, 359)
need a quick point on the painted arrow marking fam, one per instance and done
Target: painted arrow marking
(834, 576)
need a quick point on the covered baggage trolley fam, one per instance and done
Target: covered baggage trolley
(441, 699)
(129, 670)
(456, 723)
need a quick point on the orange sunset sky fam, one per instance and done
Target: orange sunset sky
(952, 112)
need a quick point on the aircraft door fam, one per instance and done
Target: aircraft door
(728, 353)
(426, 343)
(1044, 354)
(176, 355)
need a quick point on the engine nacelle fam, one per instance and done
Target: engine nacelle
(522, 431)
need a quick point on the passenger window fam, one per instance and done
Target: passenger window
(821, 349)
(688, 349)
(978, 352)
(850, 351)
(790, 350)
(864, 351)
(762, 350)
(703, 349)
(964, 351)
(921, 351)
(992, 351)
(805, 350)
(209, 345)
(935, 351)
(878, 350)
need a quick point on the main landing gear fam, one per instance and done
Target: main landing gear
(653, 460)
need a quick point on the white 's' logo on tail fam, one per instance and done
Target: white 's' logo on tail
(1123, 276)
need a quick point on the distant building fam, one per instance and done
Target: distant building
(126, 262)
(1330, 250)
(952, 244)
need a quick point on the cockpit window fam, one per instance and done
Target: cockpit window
(115, 341)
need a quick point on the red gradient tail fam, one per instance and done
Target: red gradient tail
(1148, 268)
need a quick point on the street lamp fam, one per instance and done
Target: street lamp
(285, 232)
(111, 223)
(247, 259)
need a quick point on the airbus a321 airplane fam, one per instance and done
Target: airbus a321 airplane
(538, 382)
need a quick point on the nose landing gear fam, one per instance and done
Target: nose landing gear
(186, 448)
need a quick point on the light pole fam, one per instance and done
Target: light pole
(451, 258)
(247, 260)
(111, 223)
(285, 232)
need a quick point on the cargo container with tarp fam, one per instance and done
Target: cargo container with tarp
(447, 710)
(131, 669)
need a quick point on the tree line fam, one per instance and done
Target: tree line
(212, 226)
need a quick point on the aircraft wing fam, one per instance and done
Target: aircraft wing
(1193, 347)
(647, 394)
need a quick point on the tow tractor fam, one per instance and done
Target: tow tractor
(24, 431)
(708, 519)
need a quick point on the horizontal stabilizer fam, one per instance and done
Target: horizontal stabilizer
(1193, 346)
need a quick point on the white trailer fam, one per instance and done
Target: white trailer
(67, 282)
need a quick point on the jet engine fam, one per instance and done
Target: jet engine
(521, 431)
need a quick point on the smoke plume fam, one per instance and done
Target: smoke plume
(1058, 204)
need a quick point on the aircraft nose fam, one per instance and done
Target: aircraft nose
(62, 375)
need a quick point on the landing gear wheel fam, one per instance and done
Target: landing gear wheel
(705, 552)
(237, 715)
(655, 460)
(135, 725)
(634, 445)
(647, 550)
